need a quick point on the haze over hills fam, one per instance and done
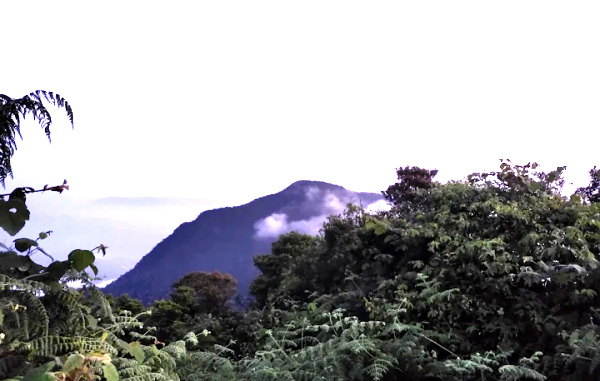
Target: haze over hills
(227, 239)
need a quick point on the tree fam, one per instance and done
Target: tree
(495, 277)
(592, 191)
(12, 111)
(287, 272)
(126, 303)
(211, 290)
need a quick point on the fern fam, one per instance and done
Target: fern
(11, 113)
(517, 372)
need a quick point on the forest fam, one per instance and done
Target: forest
(492, 277)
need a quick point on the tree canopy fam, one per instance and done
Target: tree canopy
(494, 277)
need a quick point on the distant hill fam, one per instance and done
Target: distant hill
(227, 239)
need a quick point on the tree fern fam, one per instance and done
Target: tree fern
(12, 111)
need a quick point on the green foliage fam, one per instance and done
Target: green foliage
(204, 292)
(499, 264)
(43, 319)
(126, 303)
(491, 278)
(286, 270)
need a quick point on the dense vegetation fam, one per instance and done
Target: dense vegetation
(226, 239)
(490, 278)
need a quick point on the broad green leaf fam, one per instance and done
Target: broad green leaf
(41, 373)
(136, 351)
(24, 244)
(91, 320)
(123, 344)
(94, 268)
(110, 372)
(81, 259)
(74, 361)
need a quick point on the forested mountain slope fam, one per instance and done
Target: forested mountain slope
(227, 239)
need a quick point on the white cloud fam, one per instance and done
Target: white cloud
(323, 203)
(378, 206)
(271, 226)
(312, 193)
(99, 284)
(310, 226)
(277, 224)
(333, 205)
(104, 283)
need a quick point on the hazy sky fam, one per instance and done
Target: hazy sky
(222, 102)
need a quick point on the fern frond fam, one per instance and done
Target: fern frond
(517, 372)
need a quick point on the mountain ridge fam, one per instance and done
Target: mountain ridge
(226, 239)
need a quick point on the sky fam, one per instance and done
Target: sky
(186, 106)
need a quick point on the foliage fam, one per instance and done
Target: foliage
(592, 191)
(126, 303)
(52, 331)
(493, 269)
(490, 278)
(49, 330)
(12, 111)
(209, 291)
(284, 272)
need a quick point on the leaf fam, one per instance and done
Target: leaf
(80, 259)
(11, 260)
(102, 249)
(13, 215)
(41, 373)
(24, 244)
(74, 361)
(44, 235)
(94, 269)
(19, 194)
(91, 320)
(136, 351)
(110, 372)
(57, 269)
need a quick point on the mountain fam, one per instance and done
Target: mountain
(227, 239)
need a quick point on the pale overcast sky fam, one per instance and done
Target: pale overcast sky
(226, 101)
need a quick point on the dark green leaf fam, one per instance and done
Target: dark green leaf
(13, 215)
(24, 244)
(81, 259)
(44, 235)
(57, 269)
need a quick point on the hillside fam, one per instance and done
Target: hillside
(227, 239)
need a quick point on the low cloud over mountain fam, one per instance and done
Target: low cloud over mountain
(227, 239)
(323, 202)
